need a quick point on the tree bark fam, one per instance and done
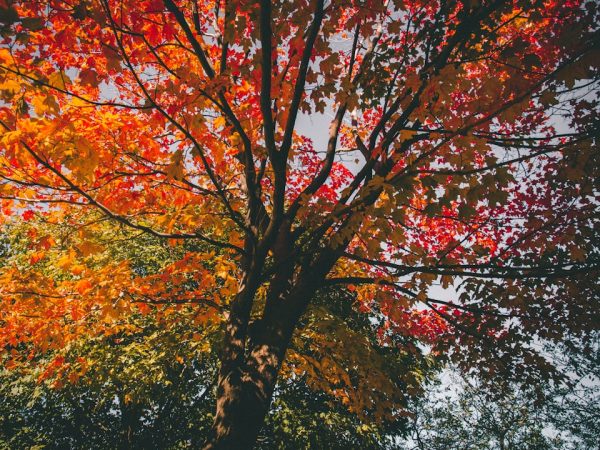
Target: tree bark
(244, 392)
(245, 389)
(254, 353)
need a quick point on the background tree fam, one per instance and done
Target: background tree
(469, 413)
(479, 418)
(472, 127)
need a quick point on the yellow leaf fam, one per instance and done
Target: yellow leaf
(66, 260)
(219, 122)
(39, 105)
(235, 139)
(175, 169)
(89, 248)
(87, 163)
(10, 86)
(59, 80)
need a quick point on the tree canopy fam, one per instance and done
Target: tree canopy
(447, 189)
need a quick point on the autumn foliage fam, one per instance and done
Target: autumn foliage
(447, 182)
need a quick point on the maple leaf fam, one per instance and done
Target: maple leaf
(175, 169)
(28, 215)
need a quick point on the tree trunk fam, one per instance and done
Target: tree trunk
(254, 353)
(245, 389)
(244, 393)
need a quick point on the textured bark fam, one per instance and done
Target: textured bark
(245, 387)
(253, 353)
(245, 390)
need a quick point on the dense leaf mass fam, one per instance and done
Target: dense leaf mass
(453, 146)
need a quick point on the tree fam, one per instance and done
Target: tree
(472, 127)
(131, 393)
(466, 413)
(126, 391)
(479, 418)
(147, 380)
